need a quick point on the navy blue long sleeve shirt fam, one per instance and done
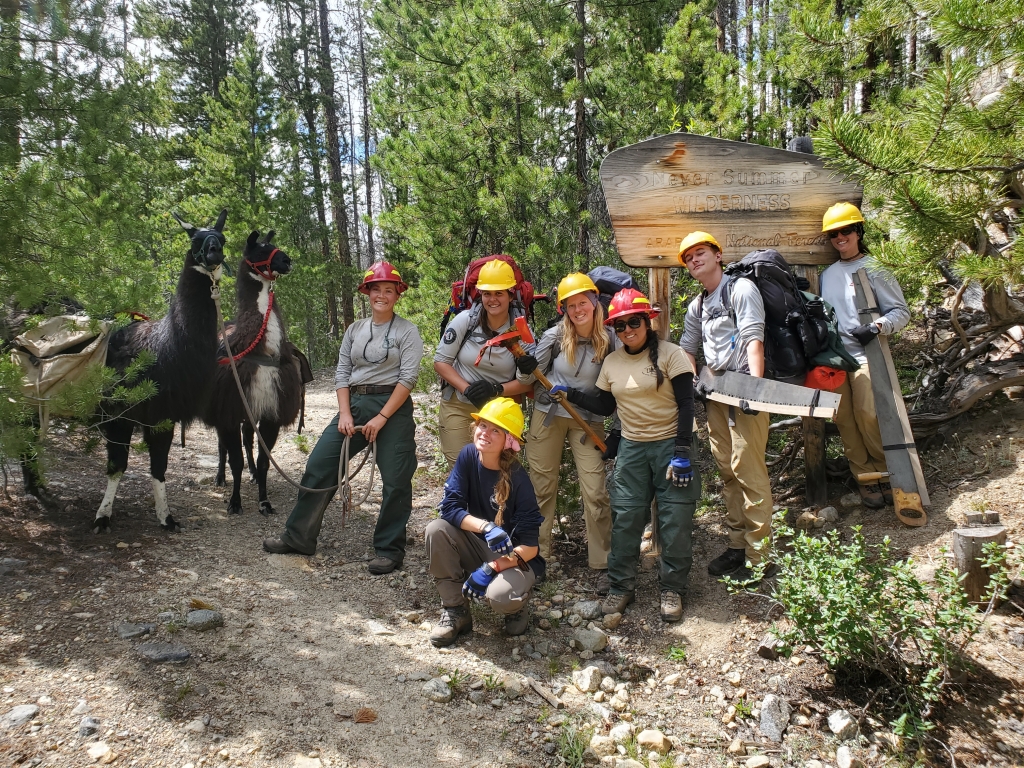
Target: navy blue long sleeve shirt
(469, 490)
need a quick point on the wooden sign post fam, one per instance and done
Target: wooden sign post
(747, 196)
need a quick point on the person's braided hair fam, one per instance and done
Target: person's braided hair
(503, 488)
(652, 351)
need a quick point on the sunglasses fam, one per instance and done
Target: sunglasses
(844, 232)
(634, 322)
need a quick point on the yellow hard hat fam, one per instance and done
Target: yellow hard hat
(496, 275)
(841, 215)
(696, 238)
(503, 412)
(575, 283)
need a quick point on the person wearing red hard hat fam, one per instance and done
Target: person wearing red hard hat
(856, 417)
(378, 366)
(650, 382)
(726, 323)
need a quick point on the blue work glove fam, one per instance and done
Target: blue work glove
(479, 580)
(679, 471)
(559, 392)
(865, 333)
(497, 540)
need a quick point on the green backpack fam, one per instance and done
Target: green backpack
(833, 354)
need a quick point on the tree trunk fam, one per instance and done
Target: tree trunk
(10, 86)
(1001, 307)
(368, 142)
(580, 140)
(337, 184)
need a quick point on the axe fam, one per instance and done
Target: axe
(510, 341)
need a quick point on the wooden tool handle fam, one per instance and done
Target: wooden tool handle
(516, 349)
(868, 477)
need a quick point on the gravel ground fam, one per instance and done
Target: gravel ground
(309, 647)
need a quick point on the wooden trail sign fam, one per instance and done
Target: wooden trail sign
(746, 195)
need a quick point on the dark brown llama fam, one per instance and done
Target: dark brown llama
(184, 344)
(267, 367)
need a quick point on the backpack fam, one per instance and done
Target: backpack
(833, 354)
(464, 291)
(793, 335)
(610, 281)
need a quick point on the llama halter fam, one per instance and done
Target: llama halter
(268, 275)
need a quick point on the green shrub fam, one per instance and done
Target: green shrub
(867, 614)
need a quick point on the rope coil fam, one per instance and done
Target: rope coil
(344, 476)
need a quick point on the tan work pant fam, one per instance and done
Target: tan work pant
(453, 554)
(858, 424)
(739, 451)
(544, 451)
(454, 427)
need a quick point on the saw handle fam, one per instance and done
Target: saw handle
(518, 351)
(869, 477)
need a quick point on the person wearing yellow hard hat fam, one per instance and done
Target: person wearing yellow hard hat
(571, 353)
(484, 546)
(650, 382)
(727, 323)
(856, 417)
(378, 365)
(466, 385)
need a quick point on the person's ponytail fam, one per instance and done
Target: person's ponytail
(503, 488)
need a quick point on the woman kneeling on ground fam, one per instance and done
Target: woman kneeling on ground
(571, 353)
(484, 545)
(651, 383)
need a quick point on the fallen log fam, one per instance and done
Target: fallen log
(985, 379)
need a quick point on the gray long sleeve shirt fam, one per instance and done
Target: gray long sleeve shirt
(724, 335)
(553, 363)
(382, 354)
(837, 289)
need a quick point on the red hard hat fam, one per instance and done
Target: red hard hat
(382, 272)
(629, 301)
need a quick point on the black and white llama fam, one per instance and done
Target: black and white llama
(266, 363)
(184, 345)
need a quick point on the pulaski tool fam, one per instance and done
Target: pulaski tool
(510, 340)
(910, 496)
(730, 387)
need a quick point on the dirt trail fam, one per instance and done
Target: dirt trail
(309, 642)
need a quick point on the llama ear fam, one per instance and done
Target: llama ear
(219, 226)
(191, 230)
(269, 236)
(253, 237)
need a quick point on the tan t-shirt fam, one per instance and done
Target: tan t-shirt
(647, 412)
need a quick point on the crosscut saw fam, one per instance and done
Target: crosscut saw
(730, 387)
(910, 495)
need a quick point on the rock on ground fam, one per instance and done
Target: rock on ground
(19, 715)
(757, 761)
(161, 653)
(437, 690)
(587, 679)
(88, 726)
(621, 732)
(603, 746)
(845, 758)
(593, 640)
(126, 630)
(588, 609)
(842, 724)
(775, 714)
(202, 620)
(653, 740)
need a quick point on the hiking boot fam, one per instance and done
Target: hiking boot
(616, 603)
(453, 622)
(279, 547)
(381, 565)
(886, 493)
(603, 582)
(517, 623)
(671, 606)
(871, 496)
(727, 562)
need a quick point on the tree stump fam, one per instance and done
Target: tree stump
(968, 554)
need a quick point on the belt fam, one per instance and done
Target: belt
(372, 389)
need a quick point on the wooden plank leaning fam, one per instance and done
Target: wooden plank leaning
(910, 495)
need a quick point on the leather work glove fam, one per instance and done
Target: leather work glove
(479, 392)
(497, 540)
(701, 390)
(679, 471)
(612, 441)
(865, 333)
(479, 580)
(744, 407)
(526, 364)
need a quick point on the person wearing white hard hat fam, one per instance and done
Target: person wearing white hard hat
(856, 417)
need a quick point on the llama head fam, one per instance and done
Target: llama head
(264, 259)
(207, 246)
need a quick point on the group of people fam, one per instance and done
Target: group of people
(493, 536)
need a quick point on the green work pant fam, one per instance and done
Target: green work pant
(396, 459)
(640, 476)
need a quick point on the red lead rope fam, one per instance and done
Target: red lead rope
(259, 336)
